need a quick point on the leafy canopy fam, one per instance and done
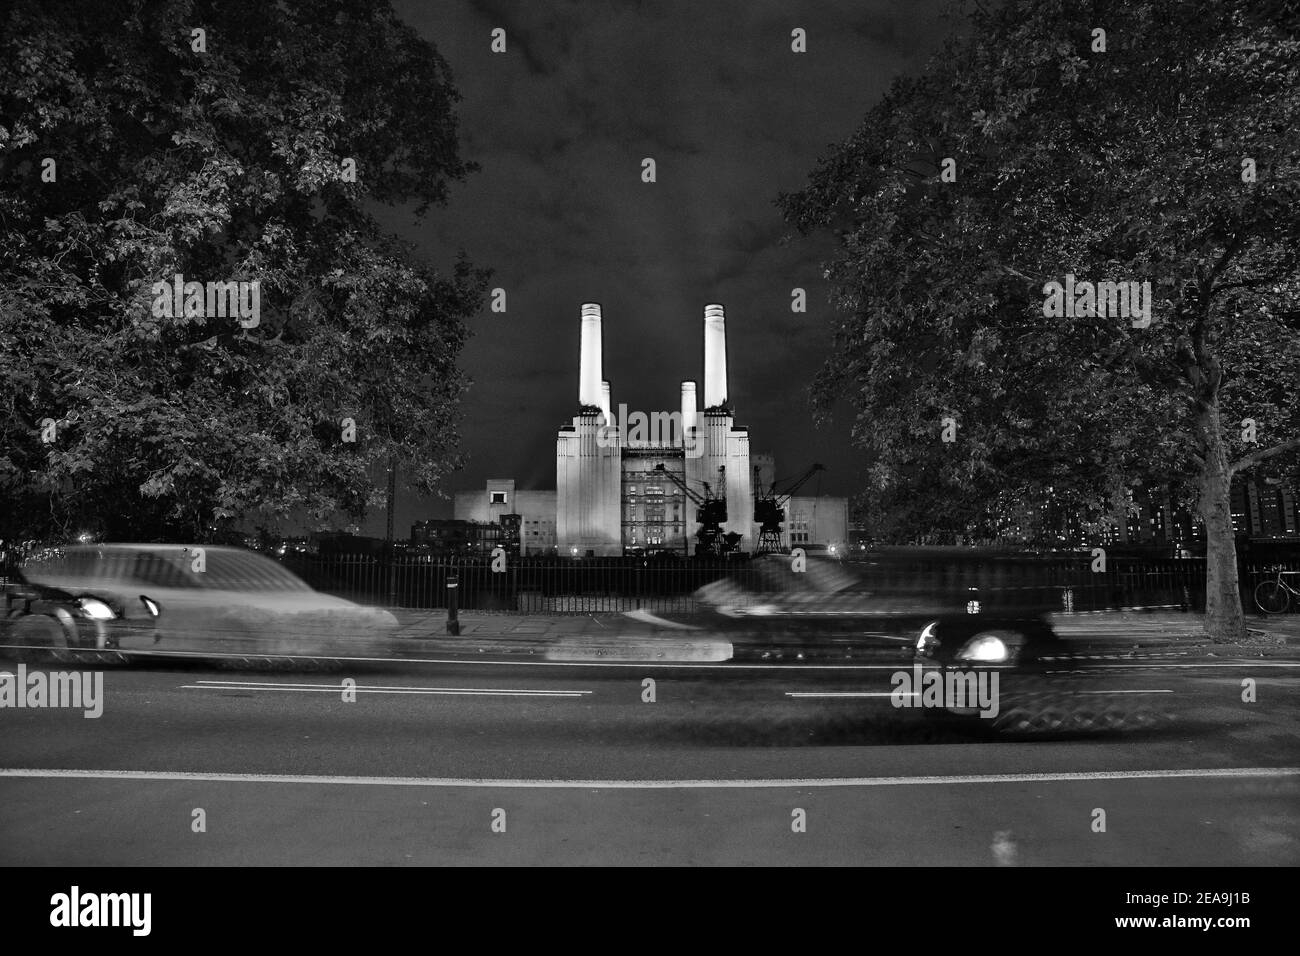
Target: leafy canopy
(1125, 164)
(226, 164)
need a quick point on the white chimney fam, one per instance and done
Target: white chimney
(604, 402)
(590, 376)
(688, 407)
(715, 356)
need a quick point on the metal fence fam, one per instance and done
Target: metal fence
(528, 585)
(548, 585)
(1064, 582)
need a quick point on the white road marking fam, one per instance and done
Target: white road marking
(887, 693)
(757, 784)
(1159, 665)
(381, 689)
(339, 686)
(416, 693)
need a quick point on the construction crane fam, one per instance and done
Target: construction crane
(769, 508)
(710, 512)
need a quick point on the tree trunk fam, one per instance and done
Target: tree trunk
(1224, 622)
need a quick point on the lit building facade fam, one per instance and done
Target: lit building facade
(816, 522)
(615, 491)
(493, 503)
(611, 494)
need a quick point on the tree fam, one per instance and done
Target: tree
(225, 142)
(1035, 147)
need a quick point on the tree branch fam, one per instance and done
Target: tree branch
(1229, 254)
(1208, 374)
(1020, 275)
(1252, 283)
(1255, 457)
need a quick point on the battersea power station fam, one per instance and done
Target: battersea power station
(683, 480)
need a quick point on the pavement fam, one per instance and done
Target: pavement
(572, 636)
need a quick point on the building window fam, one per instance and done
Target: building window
(498, 497)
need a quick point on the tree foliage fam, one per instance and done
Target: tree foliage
(221, 156)
(1105, 165)
(1123, 164)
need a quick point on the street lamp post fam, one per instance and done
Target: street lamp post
(453, 591)
(389, 541)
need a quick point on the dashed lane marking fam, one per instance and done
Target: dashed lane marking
(889, 693)
(381, 689)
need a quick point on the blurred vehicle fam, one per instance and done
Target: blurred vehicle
(38, 622)
(958, 613)
(829, 603)
(211, 598)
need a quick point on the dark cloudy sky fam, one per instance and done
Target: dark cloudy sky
(560, 124)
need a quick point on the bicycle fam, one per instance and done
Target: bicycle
(1274, 597)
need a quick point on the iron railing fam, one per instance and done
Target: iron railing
(548, 585)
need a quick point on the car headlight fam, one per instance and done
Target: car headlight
(150, 605)
(929, 639)
(97, 609)
(989, 649)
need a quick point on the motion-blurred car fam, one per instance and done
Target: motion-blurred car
(212, 598)
(961, 613)
(38, 623)
(895, 606)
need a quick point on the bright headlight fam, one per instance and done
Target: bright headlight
(988, 648)
(97, 609)
(929, 640)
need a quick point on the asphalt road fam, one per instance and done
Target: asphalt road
(439, 762)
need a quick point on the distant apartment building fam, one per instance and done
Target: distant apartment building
(1261, 509)
(457, 537)
(499, 499)
(820, 522)
(1267, 508)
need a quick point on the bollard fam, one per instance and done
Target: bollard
(453, 589)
